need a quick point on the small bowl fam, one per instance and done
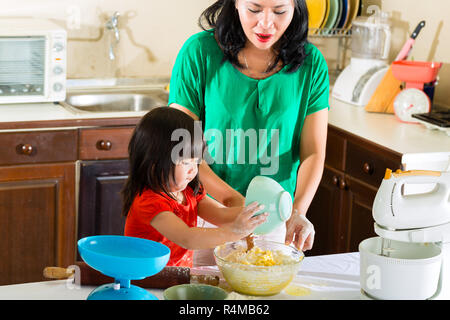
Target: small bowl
(277, 202)
(258, 280)
(194, 292)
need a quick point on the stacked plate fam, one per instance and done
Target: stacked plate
(332, 16)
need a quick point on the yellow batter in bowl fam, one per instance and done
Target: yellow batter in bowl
(264, 270)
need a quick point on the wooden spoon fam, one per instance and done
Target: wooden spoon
(250, 242)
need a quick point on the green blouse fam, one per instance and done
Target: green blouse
(252, 127)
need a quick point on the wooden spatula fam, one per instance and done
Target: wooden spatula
(250, 242)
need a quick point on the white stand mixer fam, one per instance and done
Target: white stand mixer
(414, 248)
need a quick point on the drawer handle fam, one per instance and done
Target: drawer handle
(104, 145)
(335, 181)
(342, 184)
(26, 149)
(367, 168)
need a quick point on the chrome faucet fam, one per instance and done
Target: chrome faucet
(111, 25)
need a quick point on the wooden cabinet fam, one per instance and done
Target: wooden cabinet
(101, 181)
(341, 210)
(357, 214)
(37, 220)
(37, 203)
(100, 201)
(325, 213)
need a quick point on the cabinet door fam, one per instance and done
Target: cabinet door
(357, 209)
(100, 201)
(325, 214)
(37, 220)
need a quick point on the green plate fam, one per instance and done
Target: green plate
(194, 292)
(333, 14)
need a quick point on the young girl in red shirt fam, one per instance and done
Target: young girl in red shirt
(163, 194)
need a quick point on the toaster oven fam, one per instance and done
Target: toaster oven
(32, 61)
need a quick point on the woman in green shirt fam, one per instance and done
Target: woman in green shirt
(261, 92)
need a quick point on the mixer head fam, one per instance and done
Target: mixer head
(393, 209)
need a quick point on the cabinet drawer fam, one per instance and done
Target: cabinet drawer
(369, 163)
(38, 146)
(110, 143)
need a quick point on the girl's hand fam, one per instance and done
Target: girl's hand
(302, 229)
(245, 222)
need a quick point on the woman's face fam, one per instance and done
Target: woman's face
(265, 21)
(185, 171)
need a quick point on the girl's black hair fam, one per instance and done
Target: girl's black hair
(153, 152)
(223, 17)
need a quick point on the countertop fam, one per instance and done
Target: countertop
(382, 129)
(23, 112)
(327, 277)
(386, 130)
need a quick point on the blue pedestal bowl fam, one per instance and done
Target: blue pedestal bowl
(124, 259)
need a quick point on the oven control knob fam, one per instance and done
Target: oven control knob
(57, 70)
(57, 86)
(58, 46)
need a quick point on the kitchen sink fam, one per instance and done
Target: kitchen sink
(117, 101)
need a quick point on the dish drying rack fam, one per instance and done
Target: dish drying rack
(343, 36)
(330, 32)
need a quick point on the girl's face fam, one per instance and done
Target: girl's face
(185, 171)
(265, 21)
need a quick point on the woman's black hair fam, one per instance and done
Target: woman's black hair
(223, 17)
(163, 137)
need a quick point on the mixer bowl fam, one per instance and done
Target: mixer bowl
(410, 272)
(258, 280)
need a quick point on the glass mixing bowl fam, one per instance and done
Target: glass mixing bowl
(258, 280)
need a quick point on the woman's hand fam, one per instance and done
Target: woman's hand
(246, 222)
(300, 228)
